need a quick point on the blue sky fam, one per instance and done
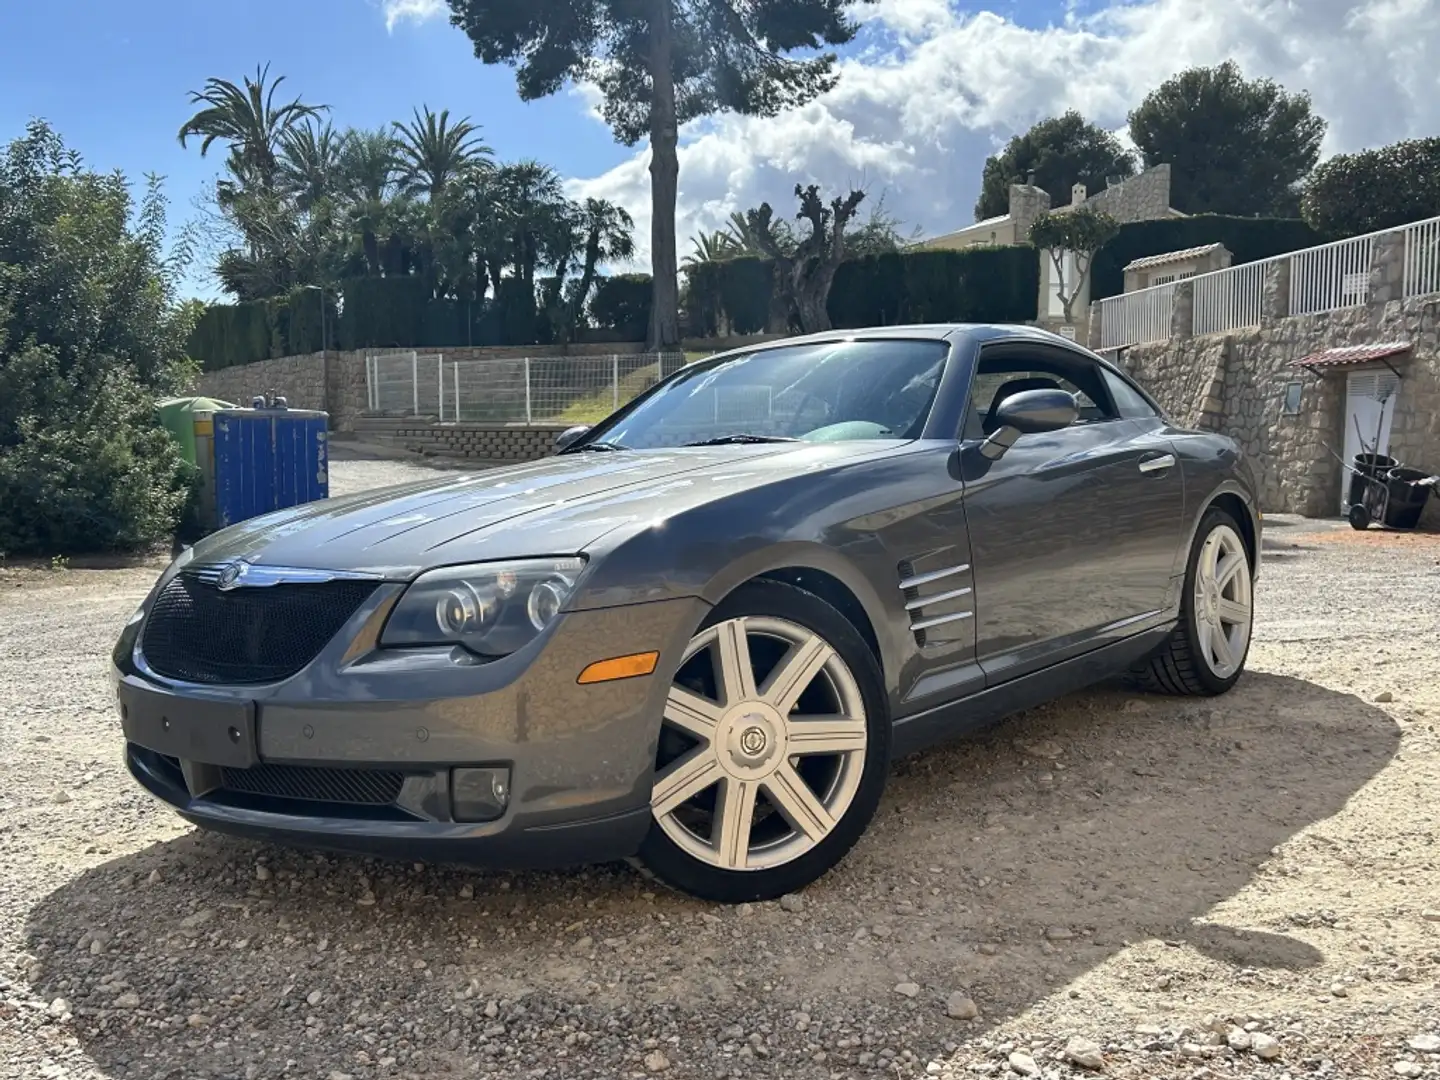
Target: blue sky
(928, 90)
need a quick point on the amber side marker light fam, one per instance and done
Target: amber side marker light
(620, 667)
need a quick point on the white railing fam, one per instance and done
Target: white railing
(1136, 317)
(1230, 299)
(1331, 276)
(550, 389)
(1422, 258)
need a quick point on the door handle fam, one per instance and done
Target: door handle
(1158, 463)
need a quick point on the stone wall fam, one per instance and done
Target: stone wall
(1141, 198)
(1236, 383)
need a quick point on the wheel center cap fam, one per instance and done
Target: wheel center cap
(752, 741)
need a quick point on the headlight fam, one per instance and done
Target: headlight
(492, 609)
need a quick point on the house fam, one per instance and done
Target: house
(1145, 197)
(1175, 266)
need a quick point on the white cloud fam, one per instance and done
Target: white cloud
(931, 91)
(398, 11)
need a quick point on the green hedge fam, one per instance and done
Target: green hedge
(230, 334)
(985, 284)
(1248, 239)
(623, 302)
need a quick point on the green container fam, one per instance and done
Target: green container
(180, 415)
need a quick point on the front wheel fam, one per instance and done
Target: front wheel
(773, 752)
(1206, 651)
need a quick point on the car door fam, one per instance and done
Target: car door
(1073, 532)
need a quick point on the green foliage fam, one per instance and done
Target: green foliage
(1235, 146)
(983, 284)
(383, 313)
(1248, 240)
(229, 334)
(1082, 230)
(1351, 194)
(1060, 152)
(89, 334)
(622, 303)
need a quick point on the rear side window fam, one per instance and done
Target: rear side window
(1128, 401)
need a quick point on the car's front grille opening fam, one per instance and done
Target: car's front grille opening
(197, 633)
(354, 787)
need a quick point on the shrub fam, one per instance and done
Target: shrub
(89, 333)
(1353, 194)
(623, 303)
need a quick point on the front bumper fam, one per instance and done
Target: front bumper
(579, 758)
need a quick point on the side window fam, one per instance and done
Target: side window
(1006, 372)
(1128, 401)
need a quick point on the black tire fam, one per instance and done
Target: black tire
(1359, 517)
(1177, 668)
(665, 860)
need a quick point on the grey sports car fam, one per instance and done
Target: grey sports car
(696, 636)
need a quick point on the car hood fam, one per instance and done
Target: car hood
(556, 506)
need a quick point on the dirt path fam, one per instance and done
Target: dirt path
(1138, 878)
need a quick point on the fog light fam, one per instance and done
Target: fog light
(479, 794)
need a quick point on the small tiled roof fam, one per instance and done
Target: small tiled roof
(1168, 257)
(1352, 354)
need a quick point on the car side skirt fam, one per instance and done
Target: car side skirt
(986, 707)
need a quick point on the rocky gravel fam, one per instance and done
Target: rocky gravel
(1115, 885)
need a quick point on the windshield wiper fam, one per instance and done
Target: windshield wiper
(727, 439)
(597, 446)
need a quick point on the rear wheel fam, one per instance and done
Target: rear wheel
(773, 751)
(1206, 651)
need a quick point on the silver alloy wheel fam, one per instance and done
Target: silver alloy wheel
(1223, 607)
(782, 778)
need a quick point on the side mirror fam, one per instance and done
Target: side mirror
(569, 435)
(1029, 412)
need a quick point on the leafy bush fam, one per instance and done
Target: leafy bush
(1352, 194)
(1248, 239)
(89, 333)
(623, 303)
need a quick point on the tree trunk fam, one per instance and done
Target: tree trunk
(664, 183)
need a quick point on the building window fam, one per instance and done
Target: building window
(1162, 279)
(1292, 398)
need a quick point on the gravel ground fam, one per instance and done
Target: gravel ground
(1137, 886)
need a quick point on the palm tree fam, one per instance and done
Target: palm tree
(433, 153)
(248, 120)
(310, 163)
(609, 233)
(712, 247)
(368, 169)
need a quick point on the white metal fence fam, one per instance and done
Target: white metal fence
(1331, 276)
(524, 390)
(1230, 299)
(1325, 278)
(1422, 258)
(1137, 317)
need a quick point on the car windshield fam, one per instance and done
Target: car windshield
(817, 393)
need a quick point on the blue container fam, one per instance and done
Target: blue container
(268, 459)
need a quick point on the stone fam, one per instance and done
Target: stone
(1384, 697)
(1426, 1044)
(59, 1008)
(154, 878)
(1059, 933)
(1266, 1047)
(314, 997)
(656, 1061)
(128, 1000)
(1238, 1039)
(467, 892)
(961, 1006)
(1085, 1053)
(197, 920)
(1023, 1064)
(1430, 915)
(1408, 1068)
(60, 797)
(907, 989)
(792, 902)
(1338, 989)
(262, 873)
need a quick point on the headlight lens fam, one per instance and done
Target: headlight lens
(492, 609)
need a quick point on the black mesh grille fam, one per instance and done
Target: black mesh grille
(358, 787)
(197, 633)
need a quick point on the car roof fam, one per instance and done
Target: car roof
(921, 331)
